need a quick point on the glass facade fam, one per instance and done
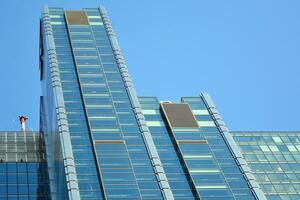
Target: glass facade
(23, 170)
(87, 113)
(179, 180)
(103, 142)
(274, 158)
(197, 161)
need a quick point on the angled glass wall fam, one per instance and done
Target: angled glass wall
(88, 115)
(178, 177)
(198, 161)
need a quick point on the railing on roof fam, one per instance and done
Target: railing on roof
(17, 146)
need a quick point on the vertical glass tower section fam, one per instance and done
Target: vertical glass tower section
(97, 143)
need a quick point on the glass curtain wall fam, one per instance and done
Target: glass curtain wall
(23, 172)
(197, 161)
(274, 158)
(110, 156)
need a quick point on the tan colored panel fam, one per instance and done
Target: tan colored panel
(179, 115)
(76, 18)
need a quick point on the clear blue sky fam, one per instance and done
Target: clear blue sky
(244, 53)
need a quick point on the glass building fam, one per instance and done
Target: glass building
(23, 170)
(104, 142)
(97, 143)
(200, 158)
(274, 158)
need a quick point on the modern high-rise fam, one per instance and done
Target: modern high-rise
(194, 144)
(102, 141)
(97, 143)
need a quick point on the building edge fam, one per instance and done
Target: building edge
(63, 130)
(234, 149)
(151, 148)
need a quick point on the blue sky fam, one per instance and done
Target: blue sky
(244, 53)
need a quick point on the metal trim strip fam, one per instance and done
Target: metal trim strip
(253, 185)
(152, 151)
(65, 140)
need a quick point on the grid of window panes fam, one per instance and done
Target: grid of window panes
(177, 176)
(20, 181)
(274, 158)
(124, 165)
(23, 171)
(116, 168)
(229, 176)
(214, 172)
(81, 142)
(20, 147)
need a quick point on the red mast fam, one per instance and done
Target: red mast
(23, 119)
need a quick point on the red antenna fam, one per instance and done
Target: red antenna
(23, 119)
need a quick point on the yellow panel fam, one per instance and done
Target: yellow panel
(76, 18)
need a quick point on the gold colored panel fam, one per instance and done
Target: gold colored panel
(76, 18)
(179, 115)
